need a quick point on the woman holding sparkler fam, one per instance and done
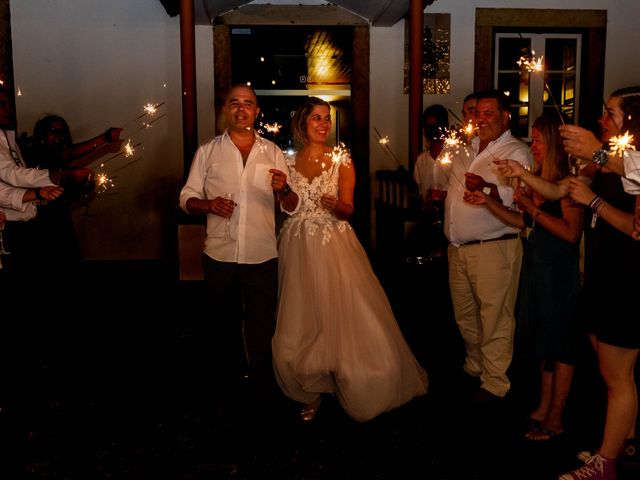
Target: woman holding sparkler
(609, 252)
(51, 147)
(550, 278)
(339, 337)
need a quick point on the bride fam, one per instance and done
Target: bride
(336, 332)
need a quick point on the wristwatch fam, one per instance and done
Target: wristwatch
(286, 190)
(486, 190)
(600, 157)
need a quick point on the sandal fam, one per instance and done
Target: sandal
(541, 434)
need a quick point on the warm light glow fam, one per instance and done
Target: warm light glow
(531, 64)
(619, 143)
(128, 149)
(272, 127)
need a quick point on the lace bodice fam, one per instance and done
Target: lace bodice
(310, 214)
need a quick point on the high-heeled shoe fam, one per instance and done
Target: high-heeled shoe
(309, 411)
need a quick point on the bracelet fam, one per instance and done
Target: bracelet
(38, 196)
(285, 191)
(596, 203)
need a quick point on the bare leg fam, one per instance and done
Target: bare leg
(562, 375)
(546, 378)
(616, 366)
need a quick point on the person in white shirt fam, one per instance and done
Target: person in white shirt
(432, 183)
(484, 252)
(20, 188)
(236, 180)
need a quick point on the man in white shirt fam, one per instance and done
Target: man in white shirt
(484, 253)
(233, 179)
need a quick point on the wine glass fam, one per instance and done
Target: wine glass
(574, 165)
(227, 233)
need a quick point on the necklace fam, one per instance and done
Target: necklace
(314, 158)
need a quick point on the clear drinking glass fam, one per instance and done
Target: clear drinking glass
(227, 233)
(574, 165)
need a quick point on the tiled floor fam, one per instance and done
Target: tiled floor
(119, 390)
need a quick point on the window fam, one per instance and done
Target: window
(286, 64)
(555, 87)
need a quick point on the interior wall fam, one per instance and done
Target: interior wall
(97, 64)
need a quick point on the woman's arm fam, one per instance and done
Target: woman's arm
(478, 197)
(581, 193)
(569, 226)
(342, 205)
(77, 152)
(547, 189)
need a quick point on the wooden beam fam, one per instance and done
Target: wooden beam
(188, 67)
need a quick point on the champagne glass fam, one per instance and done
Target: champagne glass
(227, 233)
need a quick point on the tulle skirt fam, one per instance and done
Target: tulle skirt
(336, 332)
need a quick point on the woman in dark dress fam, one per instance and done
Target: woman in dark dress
(51, 147)
(550, 277)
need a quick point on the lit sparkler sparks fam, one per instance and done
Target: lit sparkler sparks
(273, 128)
(530, 63)
(149, 109)
(340, 155)
(127, 150)
(455, 140)
(384, 143)
(104, 182)
(619, 143)
(445, 162)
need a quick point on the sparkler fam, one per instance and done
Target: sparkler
(529, 63)
(339, 156)
(150, 109)
(127, 150)
(273, 128)
(384, 144)
(619, 143)
(444, 161)
(104, 182)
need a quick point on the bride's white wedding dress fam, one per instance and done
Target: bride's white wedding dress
(336, 332)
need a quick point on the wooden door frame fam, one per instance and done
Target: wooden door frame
(311, 15)
(591, 23)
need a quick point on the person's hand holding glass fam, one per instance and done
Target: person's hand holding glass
(580, 192)
(224, 206)
(579, 144)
